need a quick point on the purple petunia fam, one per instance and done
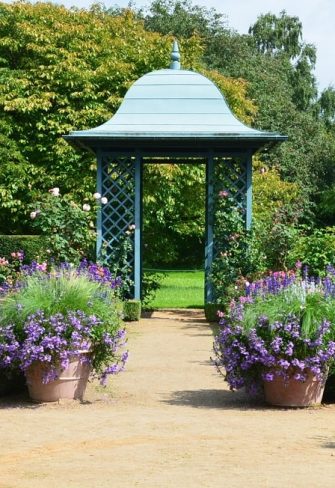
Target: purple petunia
(271, 348)
(54, 340)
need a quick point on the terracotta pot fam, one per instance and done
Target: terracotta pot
(293, 393)
(70, 384)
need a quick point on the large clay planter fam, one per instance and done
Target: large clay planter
(71, 383)
(293, 393)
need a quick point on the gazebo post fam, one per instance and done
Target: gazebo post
(99, 211)
(138, 228)
(209, 246)
(249, 191)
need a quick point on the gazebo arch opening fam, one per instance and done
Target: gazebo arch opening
(169, 115)
(174, 216)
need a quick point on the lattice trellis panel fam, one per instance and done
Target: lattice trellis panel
(230, 174)
(118, 215)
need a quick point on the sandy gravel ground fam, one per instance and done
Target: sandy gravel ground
(168, 421)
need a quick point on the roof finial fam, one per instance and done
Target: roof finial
(175, 56)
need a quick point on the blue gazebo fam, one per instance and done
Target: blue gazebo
(169, 115)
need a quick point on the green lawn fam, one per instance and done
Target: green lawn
(180, 289)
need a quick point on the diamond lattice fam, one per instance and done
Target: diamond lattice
(118, 185)
(231, 175)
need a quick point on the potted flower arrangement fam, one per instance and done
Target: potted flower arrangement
(279, 337)
(61, 325)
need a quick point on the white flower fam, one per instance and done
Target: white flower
(132, 227)
(96, 195)
(104, 200)
(86, 207)
(54, 191)
(33, 215)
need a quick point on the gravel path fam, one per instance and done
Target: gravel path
(169, 421)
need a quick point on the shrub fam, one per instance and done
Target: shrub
(33, 246)
(67, 228)
(211, 312)
(132, 310)
(315, 249)
(237, 257)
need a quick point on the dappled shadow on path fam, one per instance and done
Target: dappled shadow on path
(195, 316)
(18, 401)
(329, 445)
(24, 402)
(221, 399)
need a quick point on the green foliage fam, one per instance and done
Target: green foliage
(58, 293)
(117, 259)
(277, 209)
(132, 310)
(65, 227)
(182, 19)
(211, 312)
(151, 283)
(315, 248)
(310, 307)
(174, 214)
(61, 70)
(34, 247)
(326, 206)
(326, 106)
(64, 69)
(276, 35)
(236, 255)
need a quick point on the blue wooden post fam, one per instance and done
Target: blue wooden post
(209, 247)
(138, 229)
(99, 212)
(249, 191)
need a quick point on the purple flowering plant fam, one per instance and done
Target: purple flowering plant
(282, 326)
(56, 314)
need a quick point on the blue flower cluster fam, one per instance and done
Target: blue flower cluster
(275, 348)
(55, 340)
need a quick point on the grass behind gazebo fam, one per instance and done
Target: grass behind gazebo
(180, 289)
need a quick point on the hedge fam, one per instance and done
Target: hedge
(32, 246)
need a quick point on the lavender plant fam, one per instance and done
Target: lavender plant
(55, 314)
(282, 326)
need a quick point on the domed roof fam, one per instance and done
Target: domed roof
(173, 103)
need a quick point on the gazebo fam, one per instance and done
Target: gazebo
(169, 115)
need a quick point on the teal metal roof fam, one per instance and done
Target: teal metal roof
(173, 104)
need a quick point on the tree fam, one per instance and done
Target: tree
(60, 70)
(182, 19)
(278, 35)
(282, 37)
